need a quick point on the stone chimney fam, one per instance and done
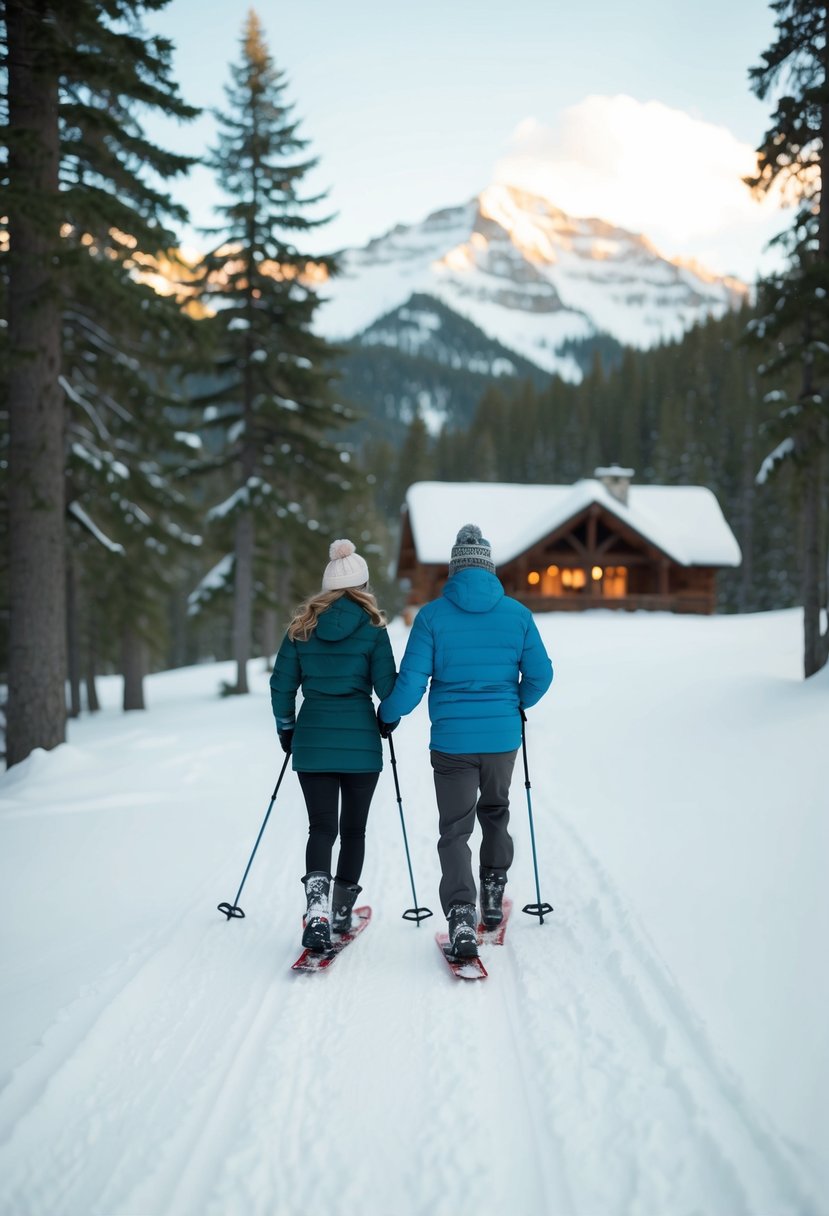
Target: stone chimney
(616, 480)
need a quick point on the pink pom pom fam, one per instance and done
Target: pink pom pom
(340, 548)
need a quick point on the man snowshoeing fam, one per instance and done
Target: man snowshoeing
(486, 662)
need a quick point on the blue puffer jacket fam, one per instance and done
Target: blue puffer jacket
(486, 660)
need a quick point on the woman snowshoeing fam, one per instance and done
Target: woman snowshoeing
(337, 650)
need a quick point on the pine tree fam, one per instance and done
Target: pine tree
(272, 408)
(37, 647)
(98, 219)
(127, 429)
(413, 463)
(130, 447)
(794, 158)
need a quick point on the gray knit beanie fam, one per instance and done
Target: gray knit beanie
(471, 549)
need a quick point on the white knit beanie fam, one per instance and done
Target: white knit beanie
(346, 568)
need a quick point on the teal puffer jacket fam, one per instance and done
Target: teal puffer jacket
(336, 668)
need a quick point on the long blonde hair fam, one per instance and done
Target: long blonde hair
(305, 618)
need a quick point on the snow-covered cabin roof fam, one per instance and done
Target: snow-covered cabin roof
(685, 522)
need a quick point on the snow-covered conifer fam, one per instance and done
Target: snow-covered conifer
(271, 407)
(793, 159)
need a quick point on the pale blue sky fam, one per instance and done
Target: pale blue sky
(411, 106)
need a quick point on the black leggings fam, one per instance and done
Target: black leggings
(322, 797)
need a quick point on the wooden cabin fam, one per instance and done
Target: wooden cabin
(601, 543)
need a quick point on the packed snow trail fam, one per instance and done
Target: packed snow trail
(179, 1068)
(205, 1079)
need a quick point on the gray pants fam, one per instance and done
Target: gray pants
(458, 779)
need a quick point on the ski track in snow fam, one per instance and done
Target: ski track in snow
(644, 1116)
(193, 1079)
(198, 1076)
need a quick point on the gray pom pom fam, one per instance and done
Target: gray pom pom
(469, 534)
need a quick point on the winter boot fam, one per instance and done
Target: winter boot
(492, 898)
(463, 941)
(342, 901)
(317, 932)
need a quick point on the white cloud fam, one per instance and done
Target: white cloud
(651, 169)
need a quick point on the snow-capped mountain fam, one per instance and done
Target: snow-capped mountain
(426, 328)
(424, 359)
(529, 276)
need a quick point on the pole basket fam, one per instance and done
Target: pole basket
(230, 910)
(417, 914)
(539, 910)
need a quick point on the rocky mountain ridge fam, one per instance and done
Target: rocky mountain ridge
(531, 278)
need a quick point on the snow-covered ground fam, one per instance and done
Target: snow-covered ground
(658, 1047)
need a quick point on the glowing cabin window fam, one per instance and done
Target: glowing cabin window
(615, 582)
(610, 582)
(571, 580)
(551, 581)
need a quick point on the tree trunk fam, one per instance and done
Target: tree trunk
(243, 600)
(177, 653)
(134, 664)
(270, 639)
(37, 588)
(823, 649)
(244, 539)
(284, 577)
(813, 506)
(748, 492)
(72, 640)
(821, 521)
(276, 589)
(92, 702)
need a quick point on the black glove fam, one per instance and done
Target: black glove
(286, 739)
(386, 728)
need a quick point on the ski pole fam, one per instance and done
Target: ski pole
(538, 908)
(416, 914)
(231, 910)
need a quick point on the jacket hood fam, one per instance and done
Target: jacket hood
(474, 590)
(340, 620)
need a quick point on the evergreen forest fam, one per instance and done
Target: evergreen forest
(179, 445)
